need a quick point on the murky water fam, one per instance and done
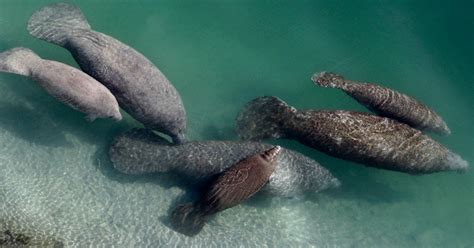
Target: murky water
(56, 183)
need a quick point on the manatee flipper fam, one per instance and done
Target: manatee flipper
(91, 117)
(55, 23)
(18, 61)
(260, 118)
(188, 219)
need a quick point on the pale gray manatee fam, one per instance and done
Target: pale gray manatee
(140, 151)
(140, 88)
(231, 187)
(386, 102)
(65, 83)
(363, 138)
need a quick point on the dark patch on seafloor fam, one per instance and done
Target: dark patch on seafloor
(11, 239)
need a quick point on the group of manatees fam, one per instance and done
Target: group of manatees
(114, 74)
(390, 141)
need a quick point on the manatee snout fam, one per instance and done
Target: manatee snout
(179, 138)
(116, 116)
(327, 79)
(175, 128)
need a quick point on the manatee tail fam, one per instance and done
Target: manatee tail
(18, 61)
(187, 219)
(55, 22)
(456, 163)
(140, 151)
(329, 80)
(262, 118)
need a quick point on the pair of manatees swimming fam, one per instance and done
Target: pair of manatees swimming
(390, 141)
(131, 81)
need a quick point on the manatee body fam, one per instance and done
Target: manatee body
(140, 88)
(386, 102)
(66, 83)
(231, 187)
(368, 139)
(141, 152)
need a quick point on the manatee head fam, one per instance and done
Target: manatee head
(328, 79)
(109, 107)
(174, 127)
(115, 115)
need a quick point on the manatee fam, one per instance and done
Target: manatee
(66, 83)
(140, 151)
(140, 88)
(360, 137)
(386, 102)
(231, 187)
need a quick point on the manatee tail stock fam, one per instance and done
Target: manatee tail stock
(55, 22)
(139, 151)
(18, 61)
(187, 219)
(262, 117)
(329, 80)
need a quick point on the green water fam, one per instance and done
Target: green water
(56, 182)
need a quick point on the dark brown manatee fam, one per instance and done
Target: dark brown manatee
(231, 187)
(364, 138)
(386, 102)
(140, 88)
(65, 83)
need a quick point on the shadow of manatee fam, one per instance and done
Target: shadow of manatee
(27, 124)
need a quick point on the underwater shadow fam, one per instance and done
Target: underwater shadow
(67, 119)
(27, 124)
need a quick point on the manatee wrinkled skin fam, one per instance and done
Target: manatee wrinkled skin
(141, 152)
(367, 139)
(66, 83)
(386, 102)
(140, 88)
(231, 187)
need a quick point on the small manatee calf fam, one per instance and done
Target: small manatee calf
(66, 83)
(386, 102)
(140, 88)
(364, 138)
(141, 151)
(231, 187)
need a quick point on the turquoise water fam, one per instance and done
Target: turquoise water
(56, 182)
